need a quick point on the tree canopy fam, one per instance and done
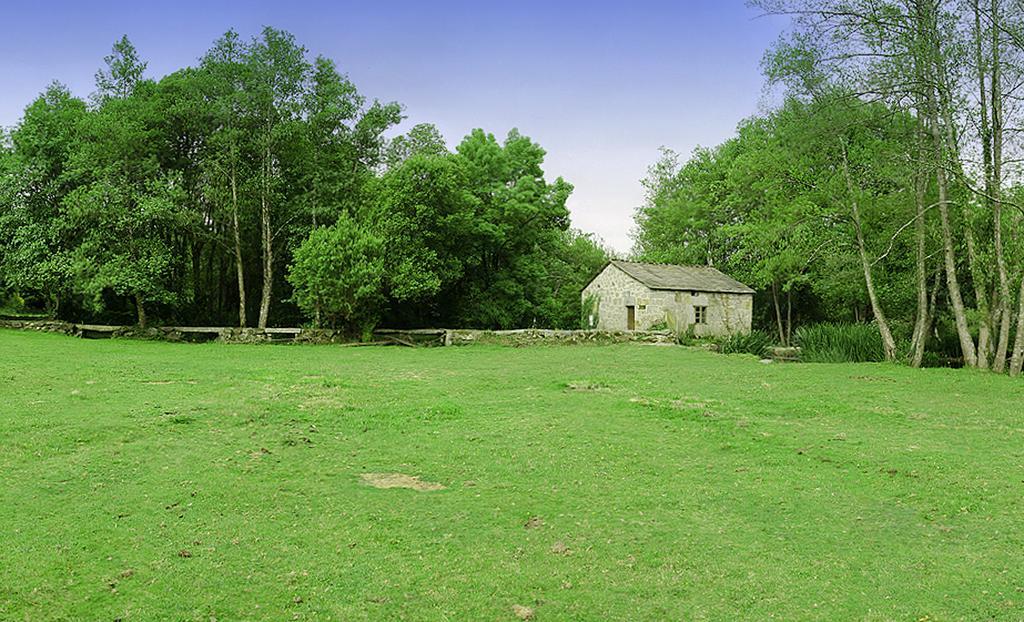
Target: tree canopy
(882, 188)
(187, 199)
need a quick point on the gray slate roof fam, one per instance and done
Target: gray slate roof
(692, 278)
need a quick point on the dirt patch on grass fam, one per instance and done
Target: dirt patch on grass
(586, 385)
(522, 612)
(534, 522)
(685, 404)
(398, 480)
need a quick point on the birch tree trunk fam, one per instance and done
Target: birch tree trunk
(920, 335)
(237, 234)
(267, 240)
(778, 314)
(888, 343)
(1017, 360)
(1004, 300)
(933, 88)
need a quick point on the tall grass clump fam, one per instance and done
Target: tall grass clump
(756, 342)
(839, 343)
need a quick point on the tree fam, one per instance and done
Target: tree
(945, 62)
(576, 258)
(35, 181)
(224, 74)
(520, 219)
(124, 249)
(789, 205)
(126, 206)
(276, 73)
(426, 215)
(124, 69)
(423, 139)
(337, 274)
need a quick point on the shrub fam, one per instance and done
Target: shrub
(337, 275)
(755, 342)
(839, 343)
(686, 337)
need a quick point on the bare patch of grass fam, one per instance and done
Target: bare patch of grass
(586, 386)
(398, 480)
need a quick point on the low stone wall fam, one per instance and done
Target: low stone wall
(535, 336)
(406, 337)
(49, 326)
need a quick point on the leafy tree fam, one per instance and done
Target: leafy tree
(337, 275)
(34, 182)
(427, 217)
(124, 249)
(184, 198)
(575, 259)
(124, 70)
(773, 207)
(276, 74)
(520, 219)
(422, 139)
(126, 206)
(225, 165)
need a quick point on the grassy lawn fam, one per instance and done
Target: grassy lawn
(145, 481)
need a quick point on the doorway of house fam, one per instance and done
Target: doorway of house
(630, 317)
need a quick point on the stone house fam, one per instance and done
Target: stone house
(627, 295)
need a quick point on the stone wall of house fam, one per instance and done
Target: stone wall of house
(613, 290)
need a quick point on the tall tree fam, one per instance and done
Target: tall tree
(276, 75)
(225, 73)
(36, 180)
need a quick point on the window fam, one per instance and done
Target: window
(694, 293)
(700, 315)
(642, 307)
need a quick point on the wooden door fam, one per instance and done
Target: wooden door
(630, 317)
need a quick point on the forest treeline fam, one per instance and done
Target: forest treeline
(259, 187)
(886, 188)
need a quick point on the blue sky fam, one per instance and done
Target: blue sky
(600, 85)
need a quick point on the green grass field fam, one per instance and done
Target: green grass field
(157, 481)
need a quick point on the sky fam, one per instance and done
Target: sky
(600, 85)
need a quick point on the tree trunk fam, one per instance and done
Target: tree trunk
(1005, 297)
(268, 246)
(52, 306)
(920, 336)
(948, 253)
(1017, 359)
(888, 343)
(789, 315)
(141, 309)
(980, 297)
(980, 287)
(778, 314)
(933, 303)
(239, 264)
(931, 75)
